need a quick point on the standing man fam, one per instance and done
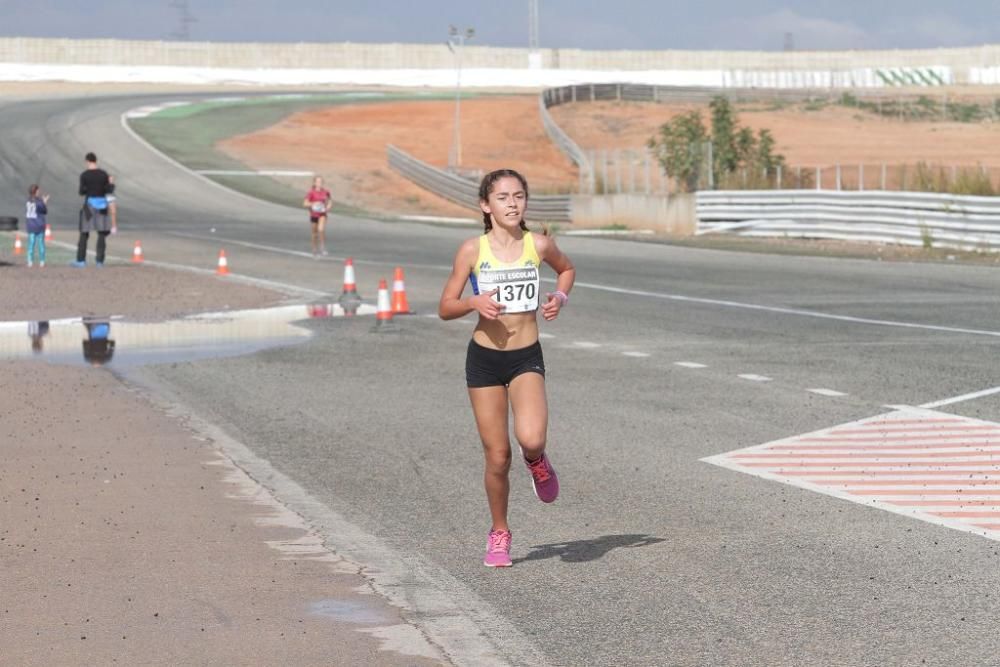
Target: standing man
(318, 200)
(95, 186)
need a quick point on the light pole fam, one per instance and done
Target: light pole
(456, 40)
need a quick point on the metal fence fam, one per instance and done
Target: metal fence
(917, 219)
(628, 171)
(624, 170)
(465, 192)
(634, 92)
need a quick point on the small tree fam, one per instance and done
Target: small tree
(765, 157)
(679, 149)
(725, 145)
(684, 141)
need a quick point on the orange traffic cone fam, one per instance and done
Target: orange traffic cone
(137, 253)
(223, 269)
(399, 304)
(48, 232)
(349, 298)
(383, 310)
(18, 247)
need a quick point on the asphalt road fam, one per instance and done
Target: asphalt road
(650, 556)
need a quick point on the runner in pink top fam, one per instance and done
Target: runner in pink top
(319, 201)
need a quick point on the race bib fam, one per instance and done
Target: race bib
(517, 288)
(32, 211)
(319, 207)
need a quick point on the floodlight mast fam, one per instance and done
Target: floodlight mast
(456, 40)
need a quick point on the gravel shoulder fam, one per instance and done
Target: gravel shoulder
(128, 538)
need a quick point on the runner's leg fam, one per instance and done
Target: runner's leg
(321, 228)
(31, 247)
(314, 236)
(531, 413)
(489, 405)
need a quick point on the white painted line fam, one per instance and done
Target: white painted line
(689, 364)
(586, 345)
(607, 232)
(826, 392)
(296, 253)
(440, 219)
(235, 277)
(204, 179)
(755, 378)
(546, 335)
(619, 290)
(959, 492)
(637, 355)
(963, 397)
(451, 615)
(261, 172)
(789, 311)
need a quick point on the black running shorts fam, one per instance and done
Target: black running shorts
(485, 367)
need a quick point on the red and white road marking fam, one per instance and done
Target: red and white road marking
(927, 465)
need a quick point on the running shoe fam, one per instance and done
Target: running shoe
(498, 549)
(30, 265)
(78, 265)
(543, 479)
(99, 264)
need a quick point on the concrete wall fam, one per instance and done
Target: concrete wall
(407, 56)
(675, 215)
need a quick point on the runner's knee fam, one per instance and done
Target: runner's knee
(498, 461)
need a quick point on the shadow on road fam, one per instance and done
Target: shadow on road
(582, 551)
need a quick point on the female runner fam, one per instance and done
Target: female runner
(504, 369)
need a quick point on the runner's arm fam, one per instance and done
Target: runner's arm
(565, 275)
(452, 305)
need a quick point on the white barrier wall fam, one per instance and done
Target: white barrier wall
(31, 59)
(422, 56)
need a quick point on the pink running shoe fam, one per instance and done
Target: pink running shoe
(543, 479)
(498, 549)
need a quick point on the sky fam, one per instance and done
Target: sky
(584, 24)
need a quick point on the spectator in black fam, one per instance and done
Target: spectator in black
(95, 186)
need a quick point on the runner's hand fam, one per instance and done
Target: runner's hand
(486, 306)
(550, 309)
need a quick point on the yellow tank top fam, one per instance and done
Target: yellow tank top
(516, 282)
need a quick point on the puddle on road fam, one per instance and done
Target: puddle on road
(349, 611)
(119, 343)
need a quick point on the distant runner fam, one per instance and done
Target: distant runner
(504, 368)
(318, 200)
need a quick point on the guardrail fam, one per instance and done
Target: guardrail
(549, 208)
(567, 146)
(918, 219)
